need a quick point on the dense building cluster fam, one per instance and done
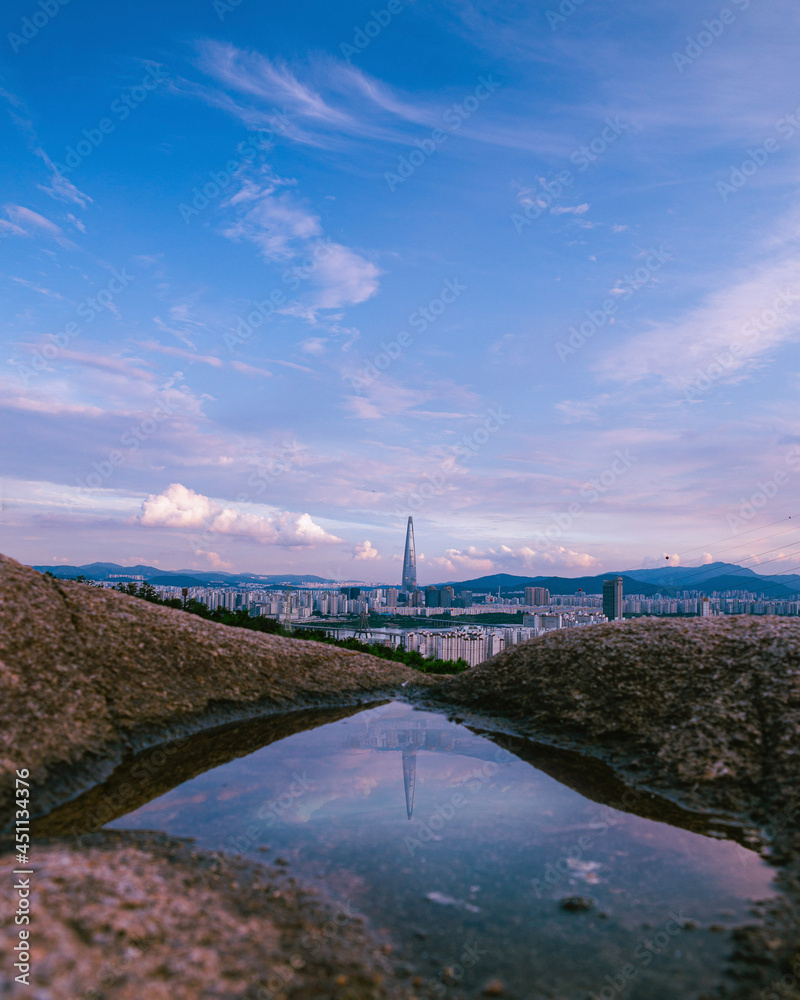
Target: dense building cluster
(382, 612)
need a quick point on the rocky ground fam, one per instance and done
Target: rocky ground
(146, 917)
(706, 712)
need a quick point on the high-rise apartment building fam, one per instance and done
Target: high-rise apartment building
(537, 596)
(612, 598)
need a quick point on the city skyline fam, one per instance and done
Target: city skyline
(276, 281)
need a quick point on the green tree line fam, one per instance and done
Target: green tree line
(242, 619)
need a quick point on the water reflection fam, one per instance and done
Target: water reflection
(396, 729)
(460, 844)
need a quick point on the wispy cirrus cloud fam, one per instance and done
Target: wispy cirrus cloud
(60, 187)
(330, 103)
(29, 222)
(744, 320)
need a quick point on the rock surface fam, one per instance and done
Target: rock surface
(146, 917)
(84, 671)
(707, 707)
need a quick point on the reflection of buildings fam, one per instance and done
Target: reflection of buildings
(409, 733)
(409, 777)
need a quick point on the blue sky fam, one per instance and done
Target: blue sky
(276, 277)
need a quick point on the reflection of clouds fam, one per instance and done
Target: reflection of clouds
(693, 856)
(306, 807)
(364, 785)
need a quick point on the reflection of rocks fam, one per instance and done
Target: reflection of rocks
(146, 917)
(578, 904)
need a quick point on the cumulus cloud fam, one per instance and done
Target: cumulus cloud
(216, 561)
(327, 274)
(177, 507)
(503, 559)
(180, 507)
(345, 278)
(366, 550)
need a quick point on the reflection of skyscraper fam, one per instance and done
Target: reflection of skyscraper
(409, 776)
(410, 560)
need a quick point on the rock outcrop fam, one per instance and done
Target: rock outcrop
(707, 707)
(86, 673)
(146, 917)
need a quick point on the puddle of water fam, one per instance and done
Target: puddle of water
(465, 853)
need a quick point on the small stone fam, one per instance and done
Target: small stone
(578, 904)
(341, 979)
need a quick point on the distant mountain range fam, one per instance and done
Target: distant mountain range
(667, 580)
(176, 578)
